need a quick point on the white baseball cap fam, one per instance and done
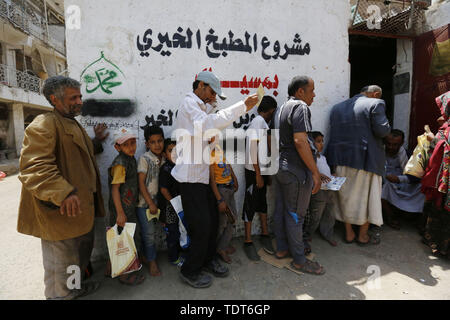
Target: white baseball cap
(123, 134)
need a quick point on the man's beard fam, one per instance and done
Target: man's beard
(74, 110)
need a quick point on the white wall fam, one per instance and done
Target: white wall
(160, 82)
(437, 15)
(402, 102)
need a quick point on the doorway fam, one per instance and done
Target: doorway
(372, 61)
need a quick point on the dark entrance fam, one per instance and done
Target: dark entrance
(372, 61)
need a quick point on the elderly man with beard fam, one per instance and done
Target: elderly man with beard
(61, 192)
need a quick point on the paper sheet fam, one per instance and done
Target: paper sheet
(335, 184)
(260, 93)
(152, 216)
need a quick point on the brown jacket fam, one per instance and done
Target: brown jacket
(57, 158)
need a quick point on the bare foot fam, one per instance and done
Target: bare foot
(153, 269)
(332, 243)
(350, 237)
(224, 256)
(230, 250)
(364, 238)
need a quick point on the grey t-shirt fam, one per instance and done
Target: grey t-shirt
(292, 117)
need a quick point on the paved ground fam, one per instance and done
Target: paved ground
(407, 269)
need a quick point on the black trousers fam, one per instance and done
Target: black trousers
(173, 241)
(202, 219)
(255, 201)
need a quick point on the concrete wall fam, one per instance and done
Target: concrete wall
(402, 100)
(437, 15)
(156, 80)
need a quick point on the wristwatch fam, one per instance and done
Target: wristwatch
(220, 201)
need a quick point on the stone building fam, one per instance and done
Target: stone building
(32, 48)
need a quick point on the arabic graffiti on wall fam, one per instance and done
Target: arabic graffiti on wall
(164, 44)
(101, 74)
(101, 79)
(244, 84)
(253, 83)
(111, 124)
(162, 119)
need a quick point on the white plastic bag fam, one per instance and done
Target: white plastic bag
(417, 163)
(122, 250)
(184, 238)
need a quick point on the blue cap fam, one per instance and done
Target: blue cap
(211, 79)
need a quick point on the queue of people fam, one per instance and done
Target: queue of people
(61, 191)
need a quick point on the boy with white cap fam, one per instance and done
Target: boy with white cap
(123, 190)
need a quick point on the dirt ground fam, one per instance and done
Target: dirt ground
(407, 270)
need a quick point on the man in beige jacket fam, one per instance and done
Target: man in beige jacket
(61, 192)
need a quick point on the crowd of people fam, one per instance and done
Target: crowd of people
(61, 192)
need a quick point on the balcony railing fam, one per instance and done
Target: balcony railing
(32, 24)
(21, 79)
(394, 18)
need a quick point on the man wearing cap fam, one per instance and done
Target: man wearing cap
(61, 189)
(192, 172)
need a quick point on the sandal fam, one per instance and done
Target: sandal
(131, 279)
(283, 256)
(373, 239)
(393, 223)
(309, 267)
(250, 252)
(87, 288)
(349, 241)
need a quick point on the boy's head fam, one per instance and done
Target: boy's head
(317, 137)
(394, 141)
(168, 147)
(267, 108)
(125, 141)
(154, 139)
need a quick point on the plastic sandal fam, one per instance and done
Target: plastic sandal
(310, 267)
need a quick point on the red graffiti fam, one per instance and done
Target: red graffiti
(253, 83)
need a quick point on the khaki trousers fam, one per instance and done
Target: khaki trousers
(57, 256)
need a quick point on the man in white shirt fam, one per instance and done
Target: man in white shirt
(192, 172)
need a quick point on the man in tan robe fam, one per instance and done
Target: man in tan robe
(61, 190)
